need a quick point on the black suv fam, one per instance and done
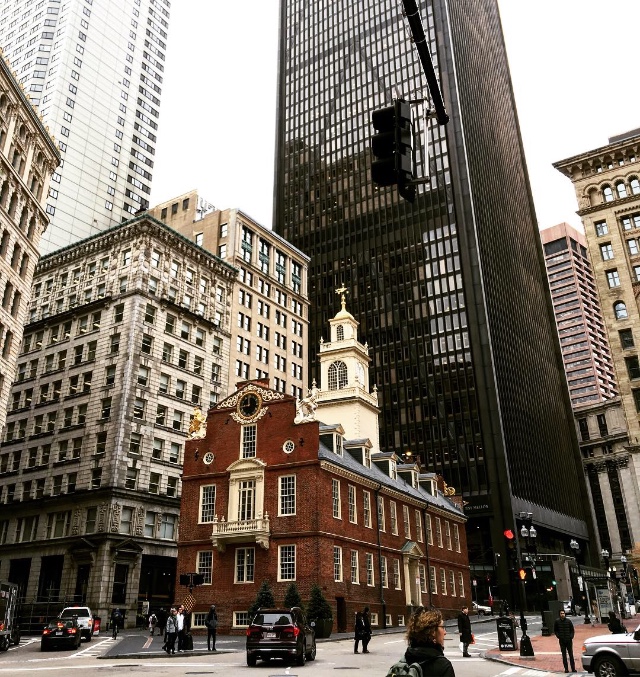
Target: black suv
(280, 633)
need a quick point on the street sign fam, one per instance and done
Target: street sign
(580, 583)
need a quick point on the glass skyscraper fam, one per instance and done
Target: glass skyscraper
(95, 71)
(450, 291)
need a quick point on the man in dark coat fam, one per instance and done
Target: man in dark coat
(563, 629)
(366, 632)
(464, 628)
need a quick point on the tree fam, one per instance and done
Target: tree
(318, 608)
(292, 598)
(264, 599)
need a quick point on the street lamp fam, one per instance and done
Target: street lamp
(529, 533)
(575, 546)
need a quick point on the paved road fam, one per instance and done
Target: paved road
(128, 653)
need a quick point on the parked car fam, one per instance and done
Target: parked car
(280, 633)
(61, 632)
(85, 619)
(481, 610)
(612, 655)
(566, 605)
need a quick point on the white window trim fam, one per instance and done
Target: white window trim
(295, 496)
(202, 488)
(295, 562)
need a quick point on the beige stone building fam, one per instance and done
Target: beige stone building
(28, 157)
(128, 332)
(607, 185)
(270, 306)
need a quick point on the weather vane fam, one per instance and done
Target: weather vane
(343, 291)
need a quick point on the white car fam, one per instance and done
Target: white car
(85, 619)
(481, 610)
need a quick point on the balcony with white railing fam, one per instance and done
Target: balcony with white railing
(240, 531)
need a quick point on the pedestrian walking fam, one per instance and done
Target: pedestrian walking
(211, 623)
(162, 620)
(366, 633)
(181, 628)
(153, 622)
(572, 605)
(594, 611)
(615, 625)
(425, 636)
(171, 632)
(563, 629)
(464, 628)
(359, 635)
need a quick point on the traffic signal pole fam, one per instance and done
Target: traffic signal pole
(420, 41)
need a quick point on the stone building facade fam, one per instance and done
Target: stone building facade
(128, 332)
(270, 305)
(607, 185)
(277, 490)
(28, 156)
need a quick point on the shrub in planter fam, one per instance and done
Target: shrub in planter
(264, 599)
(319, 612)
(292, 597)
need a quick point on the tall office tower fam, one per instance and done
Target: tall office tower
(450, 291)
(583, 338)
(94, 70)
(28, 156)
(127, 334)
(269, 306)
(607, 185)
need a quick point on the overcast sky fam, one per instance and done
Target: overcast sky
(573, 64)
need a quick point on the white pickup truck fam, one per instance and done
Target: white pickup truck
(85, 619)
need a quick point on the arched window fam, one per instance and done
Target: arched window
(607, 193)
(337, 376)
(635, 186)
(620, 309)
(621, 189)
(340, 333)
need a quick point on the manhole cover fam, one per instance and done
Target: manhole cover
(347, 668)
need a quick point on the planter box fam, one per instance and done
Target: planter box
(323, 627)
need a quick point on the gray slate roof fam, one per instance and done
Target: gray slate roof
(374, 474)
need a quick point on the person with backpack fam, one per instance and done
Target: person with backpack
(116, 622)
(153, 621)
(425, 653)
(171, 632)
(211, 623)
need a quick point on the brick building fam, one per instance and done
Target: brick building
(272, 493)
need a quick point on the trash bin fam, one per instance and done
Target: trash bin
(96, 625)
(548, 619)
(506, 627)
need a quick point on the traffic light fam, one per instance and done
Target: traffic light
(522, 574)
(510, 542)
(392, 148)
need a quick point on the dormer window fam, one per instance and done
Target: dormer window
(337, 376)
(338, 439)
(339, 333)
(366, 458)
(393, 470)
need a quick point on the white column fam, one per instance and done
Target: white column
(609, 511)
(629, 481)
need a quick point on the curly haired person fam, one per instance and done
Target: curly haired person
(425, 636)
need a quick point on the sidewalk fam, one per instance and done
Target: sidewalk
(547, 652)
